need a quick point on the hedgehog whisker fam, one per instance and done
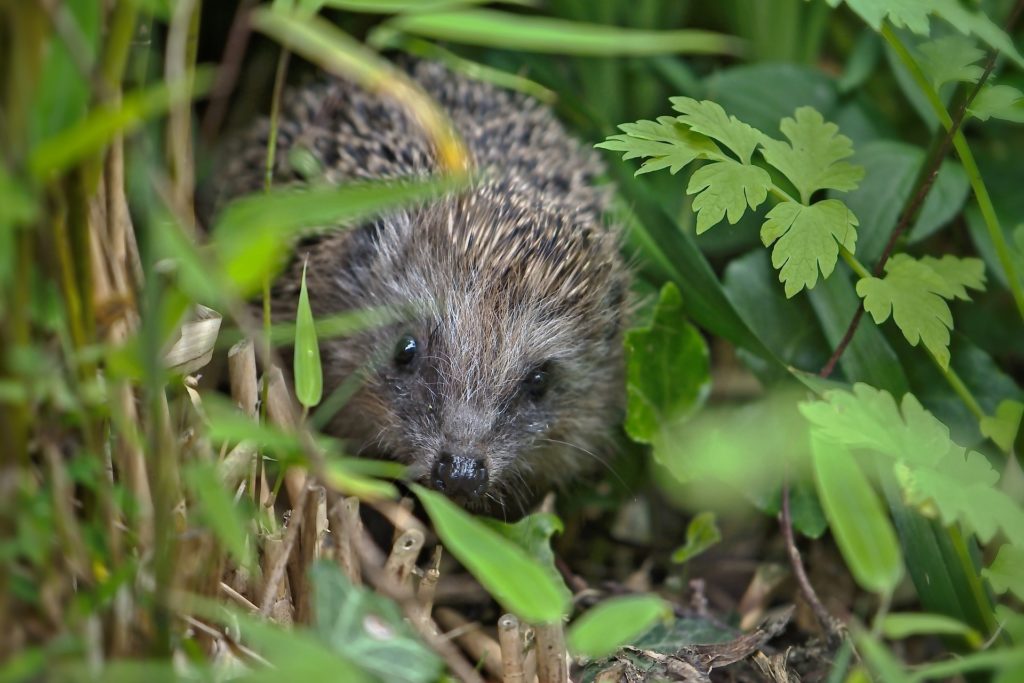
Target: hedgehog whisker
(593, 455)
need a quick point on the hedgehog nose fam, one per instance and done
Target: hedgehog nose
(460, 477)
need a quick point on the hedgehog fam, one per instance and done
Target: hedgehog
(508, 381)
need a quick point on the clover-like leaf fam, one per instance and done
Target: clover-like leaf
(726, 188)
(665, 143)
(1004, 426)
(812, 160)
(998, 102)
(708, 118)
(807, 239)
(951, 59)
(915, 292)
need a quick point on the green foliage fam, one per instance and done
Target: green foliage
(951, 60)
(903, 625)
(1006, 573)
(701, 533)
(309, 380)
(807, 239)
(1004, 427)
(999, 102)
(614, 623)
(220, 513)
(915, 291)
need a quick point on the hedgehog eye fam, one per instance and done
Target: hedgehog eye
(405, 350)
(537, 380)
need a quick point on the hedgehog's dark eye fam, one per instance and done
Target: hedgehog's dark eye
(405, 350)
(537, 380)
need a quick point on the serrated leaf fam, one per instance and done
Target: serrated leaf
(665, 143)
(668, 372)
(861, 527)
(708, 118)
(726, 188)
(951, 60)
(812, 160)
(914, 292)
(701, 533)
(1005, 425)
(605, 628)
(1006, 573)
(368, 628)
(1000, 102)
(309, 378)
(807, 240)
(515, 579)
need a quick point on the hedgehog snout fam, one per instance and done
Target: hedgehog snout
(461, 477)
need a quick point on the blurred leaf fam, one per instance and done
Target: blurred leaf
(914, 292)
(1006, 573)
(309, 379)
(1005, 425)
(903, 625)
(999, 102)
(860, 525)
(668, 371)
(254, 232)
(615, 622)
(701, 533)
(761, 94)
(411, 6)
(350, 477)
(90, 134)
(669, 638)
(879, 659)
(368, 628)
(516, 580)
(491, 28)
(220, 512)
(951, 59)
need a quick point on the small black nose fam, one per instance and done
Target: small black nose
(459, 476)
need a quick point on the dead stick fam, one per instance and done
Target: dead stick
(402, 559)
(277, 570)
(480, 647)
(511, 643)
(551, 661)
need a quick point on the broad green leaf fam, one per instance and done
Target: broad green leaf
(1005, 425)
(533, 534)
(883, 663)
(905, 624)
(665, 143)
(404, 6)
(914, 292)
(708, 118)
(726, 187)
(951, 59)
(252, 235)
(93, 132)
(1006, 573)
(701, 533)
(807, 240)
(813, 158)
(762, 94)
(368, 628)
(309, 378)
(668, 371)
(860, 525)
(492, 28)
(1000, 102)
(220, 512)
(615, 622)
(515, 579)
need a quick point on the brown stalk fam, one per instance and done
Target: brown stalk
(400, 563)
(552, 666)
(427, 588)
(347, 527)
(471, 637)
(511, 643)
(277, 569)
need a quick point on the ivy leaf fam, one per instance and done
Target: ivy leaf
(665, 143)
(812, 160)
(726, 188)
(701, 533)
(1000, 102)
(1003, 428)
(1006, 573)
(915, 293)
(807, 239)
(708, 118)
(951, 59)
(668, 370)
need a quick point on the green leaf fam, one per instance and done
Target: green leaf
(807, 239)
(93, 132)
(951, 59)
(533, 534)
(701, 533)
(218, 509)
(613, 623)
(491, 28)
(726, 186)
(812, 160)
(1006, 573)
(860, 525)
(668, 371)
(1000, 102)
(370, 629)
(1004, 427)
(708, 118)
(403, 6)
(515, 579)
(903, 625)
(915, 293)
(879, 659)
(665, 143)
(309, 378)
